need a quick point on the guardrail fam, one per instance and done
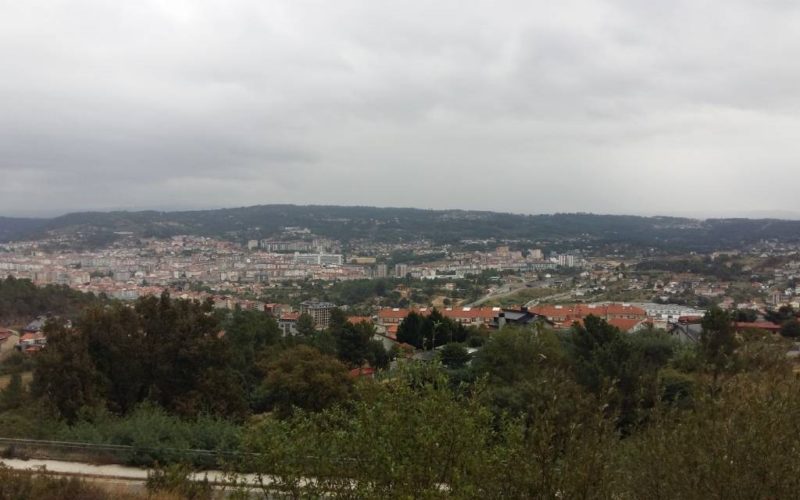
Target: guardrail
(113, 453)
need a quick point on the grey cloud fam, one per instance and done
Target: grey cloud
(610, 106)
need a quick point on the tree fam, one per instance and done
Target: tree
(784, 313)
(305, 378)
(717, 343)
(170, 352)
(454, 355)
(306, 328)
(353, 342)
(65, 374)
(717, 340)
(745, 315)
(791, 329)
(249, 334)
(410, 330)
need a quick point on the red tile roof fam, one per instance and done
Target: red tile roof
(566, 314)
(757, 325)
(456, 313)
(359, 319)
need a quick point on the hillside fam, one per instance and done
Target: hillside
(408, 224)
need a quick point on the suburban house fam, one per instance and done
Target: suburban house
(626, 317)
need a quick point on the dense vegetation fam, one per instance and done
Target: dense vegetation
(407, 224)
(534, 413)
(21, 300)
(723, 267)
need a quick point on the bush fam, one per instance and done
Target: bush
(156, 436)
(21, 485)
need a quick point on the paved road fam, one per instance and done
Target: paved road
(117, 472)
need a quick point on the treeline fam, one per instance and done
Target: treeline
(21, 301)
(407, 224)
(190, 360)
(591, 414)
(723, 267)
(532, 414)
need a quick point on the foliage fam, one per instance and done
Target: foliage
(177, 479)
(22, 301)
(781, 315)
(306, 328)
(791, 329)
(454, 355)
(717, 341)
(414, 438)
(408, 225)
(428, 332)
(22, 485)
(250, 335)
(161, 350)
(65, 375)
(155, 435)
(302, 377)
(731, 446)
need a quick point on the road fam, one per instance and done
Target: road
(500, 292)
(132, 479)
(507, 290)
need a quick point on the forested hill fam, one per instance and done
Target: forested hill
(408, 224)
(13, 228)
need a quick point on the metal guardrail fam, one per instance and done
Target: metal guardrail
(48, 448)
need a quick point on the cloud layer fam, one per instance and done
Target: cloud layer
(614, 106)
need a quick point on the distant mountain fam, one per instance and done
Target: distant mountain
(15, 228)
(408, 224)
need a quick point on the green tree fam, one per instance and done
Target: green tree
(302, 377)
(353, 342)
(791, 329)
(784, 313)
(717, 340)
(454, 355)
(410, 330)
(171, 352)
(306, 328)
(745, 315)
(65, 375)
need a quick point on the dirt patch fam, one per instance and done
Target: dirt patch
(6, 379)
(7, 346)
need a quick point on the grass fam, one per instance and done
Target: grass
(521, 297)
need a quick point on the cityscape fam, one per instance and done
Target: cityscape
(269, 249)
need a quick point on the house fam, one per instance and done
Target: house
(686, 329)
(287, 322)
(522, 317)
(467, 316)
(31, 342)
(626, 317)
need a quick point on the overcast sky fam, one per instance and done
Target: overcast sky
(617, 106)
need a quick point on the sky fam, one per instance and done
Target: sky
(685, 107)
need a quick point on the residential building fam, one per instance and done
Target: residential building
(624, 316)
(319, 311)
(400, 270)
